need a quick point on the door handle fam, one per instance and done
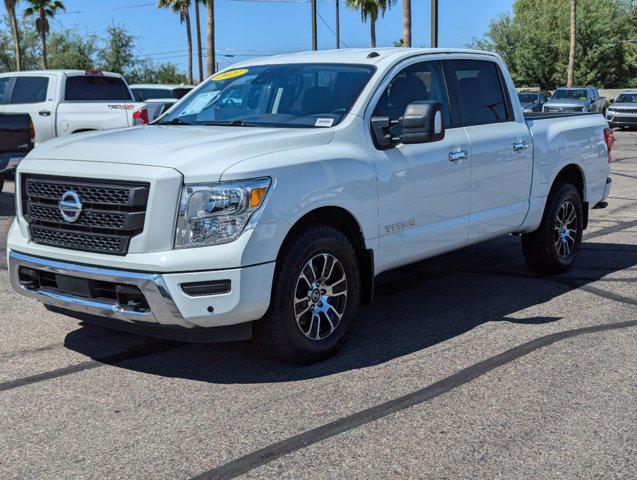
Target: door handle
(517, 146)
(459, 155)
(44, 113)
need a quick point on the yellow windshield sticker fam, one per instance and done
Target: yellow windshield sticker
(230, 74)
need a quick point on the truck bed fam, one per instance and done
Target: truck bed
(545, 115)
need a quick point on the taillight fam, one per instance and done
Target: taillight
(609, 138)
(32, 131)
(140, 117)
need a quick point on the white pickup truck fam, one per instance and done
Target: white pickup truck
(62, 102)
(266, 202)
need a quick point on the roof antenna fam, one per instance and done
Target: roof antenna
(373, 55)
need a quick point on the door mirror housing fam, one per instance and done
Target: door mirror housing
(423, 122)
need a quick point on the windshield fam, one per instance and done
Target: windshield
(527, 97)
(578, 94)
(289, 95)
(627, 98)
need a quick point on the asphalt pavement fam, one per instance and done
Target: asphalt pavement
(468, 365)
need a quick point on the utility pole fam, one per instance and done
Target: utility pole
(338, 28)
(434, 23)
(314, 43)
(571, 55)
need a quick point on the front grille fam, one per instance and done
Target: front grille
(624, 119)
(624, 110)
(111, 213)
(562, 109)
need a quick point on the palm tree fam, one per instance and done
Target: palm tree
(199, 49)
(182, 7)
(43, 10)
(210, 13)
(406, 23)
(10, 6)
(370, 9)
(571, 55)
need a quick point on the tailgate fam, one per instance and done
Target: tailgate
(80, 116)
(15, 132)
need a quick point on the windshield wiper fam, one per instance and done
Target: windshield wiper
(176, 121)
(232, 123)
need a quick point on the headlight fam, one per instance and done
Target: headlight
(212, 214)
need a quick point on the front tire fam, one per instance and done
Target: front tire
(315, 298)
(554, 246)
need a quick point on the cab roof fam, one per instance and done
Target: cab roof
(360, 56)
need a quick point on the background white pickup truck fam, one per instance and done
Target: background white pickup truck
(62, 102)
(275, 192)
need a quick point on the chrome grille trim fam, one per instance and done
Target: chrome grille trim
(112, 213)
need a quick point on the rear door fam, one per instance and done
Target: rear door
(501, 147)
(94, 102)
(35, 95)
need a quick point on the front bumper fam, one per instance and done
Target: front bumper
(166, 303)
(619, 119)
(10, 161)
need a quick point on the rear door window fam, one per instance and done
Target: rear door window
(5, 83)
(96, 88)
(29, 90)
(480, 91)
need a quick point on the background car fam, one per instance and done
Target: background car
(623, 112)
(575, 99)
(159, 97)
(533, 100)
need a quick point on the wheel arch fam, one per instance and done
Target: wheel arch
(574, 174)
(343, 220)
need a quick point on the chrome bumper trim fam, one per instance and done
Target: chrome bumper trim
(162, 306)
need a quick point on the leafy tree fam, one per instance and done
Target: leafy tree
(210, 35)
(70, 50)
(43, 10)
(371, 9)
(29, 46)
(146, 71)
(535, 42)
(117, 54)
(182, 7)
(9, 5)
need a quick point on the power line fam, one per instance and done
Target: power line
(330, 28)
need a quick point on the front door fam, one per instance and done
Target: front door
(423, 191)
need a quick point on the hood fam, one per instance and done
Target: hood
(623, 106)
(568, 102)
(182, 147)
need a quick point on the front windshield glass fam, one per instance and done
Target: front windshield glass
(577, 94)
(288, 95)
(627, 98)
(527, 97)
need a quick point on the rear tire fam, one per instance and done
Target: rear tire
(315, 298)
(554, 246)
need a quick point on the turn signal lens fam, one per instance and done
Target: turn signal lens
(256, 195)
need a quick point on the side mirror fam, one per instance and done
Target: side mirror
(612, 100)
(423, 122)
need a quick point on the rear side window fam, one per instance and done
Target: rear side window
(4, 89)
(480, 91)
(95, 87)
(29, 90)
(143, 94)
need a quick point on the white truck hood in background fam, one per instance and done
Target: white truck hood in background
(185, 148)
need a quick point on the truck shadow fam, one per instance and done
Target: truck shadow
(416, 308)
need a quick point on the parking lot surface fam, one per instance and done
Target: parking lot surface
(468, 365)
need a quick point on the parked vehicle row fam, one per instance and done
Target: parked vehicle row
(159, 97)
(266, 202)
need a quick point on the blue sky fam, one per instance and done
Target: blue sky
(263, 27)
